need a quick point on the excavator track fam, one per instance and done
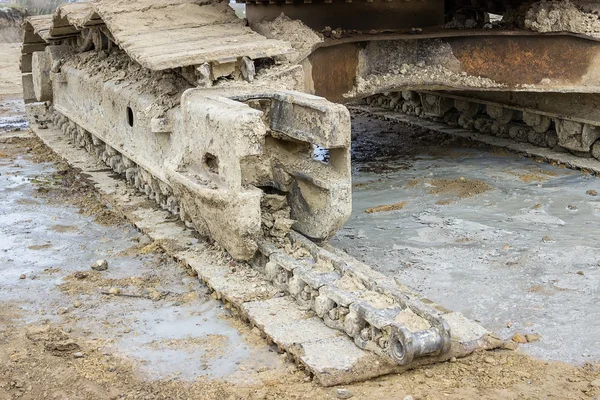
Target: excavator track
(237, 134)
(554, 131)
(255, 165)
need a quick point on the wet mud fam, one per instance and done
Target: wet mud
(509, 242)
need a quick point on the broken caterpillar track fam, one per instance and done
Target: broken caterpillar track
(523, 125)
(348, 296)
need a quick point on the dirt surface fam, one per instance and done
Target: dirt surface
(157, 334)
(461, 187)
(10, 24)
(387, 207)
(481, 230)
(98, 335)
(10, 79)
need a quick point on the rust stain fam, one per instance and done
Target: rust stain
(334, 70)
(526, 59)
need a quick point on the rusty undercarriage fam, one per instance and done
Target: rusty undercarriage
(236, 126)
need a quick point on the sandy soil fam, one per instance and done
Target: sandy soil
(10, 79)
(58, 345)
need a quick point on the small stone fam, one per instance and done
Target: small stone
(519, 338)
(428, 374)
(510, 346)
(23, 276)
(114, 290)
(579, 272)
(77, 304)
(547, 239)
(344, 393)
(100, 265)
(126, 330)
(592, 192)
(487, 26)
(533, 337)
(145, 240)
(489, 360)
(79, 354)
(409, 397)
(421, 64)
(453, 360)
(572, 207)
(61, 310)
(595, 383)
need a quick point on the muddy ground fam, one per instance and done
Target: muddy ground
(146, 329)
(478, 229)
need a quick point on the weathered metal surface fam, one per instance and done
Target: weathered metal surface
(331, 70)
(162, 37)
(548, 63)
(528, 60)
(390, 15)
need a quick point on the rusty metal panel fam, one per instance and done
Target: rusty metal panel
(514, 62)
(518, 60)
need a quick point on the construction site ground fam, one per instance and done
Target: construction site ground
(458, 222)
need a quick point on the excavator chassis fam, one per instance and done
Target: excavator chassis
(252, 153)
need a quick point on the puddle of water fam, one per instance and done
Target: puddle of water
(526, 252)
(48, 242)
(12, 115)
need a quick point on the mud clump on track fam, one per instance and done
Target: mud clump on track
(116, 65)
(301, 37)
(558, 16)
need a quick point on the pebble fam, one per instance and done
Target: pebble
(145, 240)
(23, 276)
(429, 374)
(489, 360)
(592, 192)
(572, 207)
(114, 290)
(510, 346)
(547, 239)
(519, 338)
(533, 337)
(409, 397)
(77, 304)
(78, 355)
(595, 383)
(61, 310)
(453, 360)
(344, 393)
(100, 265)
